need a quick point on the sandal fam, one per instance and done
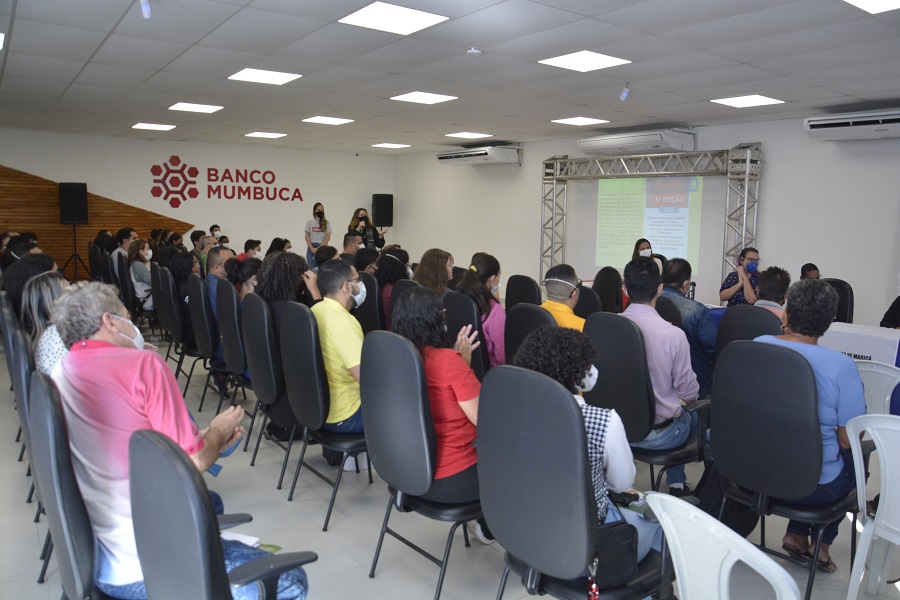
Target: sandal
(827, 566)
(796, 553)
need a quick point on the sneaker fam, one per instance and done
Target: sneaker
(350, 463)
(482, 534)
(681, 492)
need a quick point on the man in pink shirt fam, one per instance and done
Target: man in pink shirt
(110, 387)
(669, 362)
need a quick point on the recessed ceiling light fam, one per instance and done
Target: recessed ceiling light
(2, 39)
(260, 76)
(469, 135)
(153, 126)
(747, 101)
(584, 61)
(579, 121)
(875, 6)
(393, 19)
(423, 98)
(200, 108)
(327, 120)
(388, 145)
(265, 134)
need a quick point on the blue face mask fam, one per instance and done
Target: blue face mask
(751, 267)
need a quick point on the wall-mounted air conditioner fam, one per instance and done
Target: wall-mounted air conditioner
(854, 126)
(481, 156)
(643, 142)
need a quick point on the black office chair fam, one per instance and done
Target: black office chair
(229, 323)
(8, 326)
(767, 439)
(845, 300)
(67, 518)
(522, 319)
(307, 389)
(535, 481)
(461, 311)
(108, 269)
(588, 302)
(206, 335)
(668, 311)
(625, 385)
(129, 297)
(163, 313)
(746, 322)
(173, 310)
(369, 313)
(401, 439)
(399, 287)
(522, 288)
(94, 261)
(176, 530)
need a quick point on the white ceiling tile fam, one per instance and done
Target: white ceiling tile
(260, 31)
(589, 8)
(404, 55)
(587, 34)
(337, 42)
(97, 15)
(654, 16)
(689, 81)
(461, 66)
(640, 48)
(858, 73)
(834, 58)
(340, 78)
(667, 64)
(44, 39)
(182, 21)
(130, 51)
(394, 85)
(111, 75)
(32, 87)
(313, 9)
(212, 62)
(178, 83)
(42, 67)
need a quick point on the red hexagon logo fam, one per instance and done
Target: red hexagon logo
(175, 181)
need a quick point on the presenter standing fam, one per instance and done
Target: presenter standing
(741, 284)
(318, 233)
(360, 223)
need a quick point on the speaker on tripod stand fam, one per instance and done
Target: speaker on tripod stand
(73, 210)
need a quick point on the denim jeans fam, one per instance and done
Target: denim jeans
(671, 437)
(311, 257)
(826, 493)
(352, 424)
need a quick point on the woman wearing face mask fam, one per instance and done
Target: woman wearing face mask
(318, 233)
(360, 223)
(243, 275)
(567, 356)
(642, 247)
(391, 269)
(741, 284)
(481, 283)
(139, 255)
(279, 245)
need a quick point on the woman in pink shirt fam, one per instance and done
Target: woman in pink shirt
(481, 283)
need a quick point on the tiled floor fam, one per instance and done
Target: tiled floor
(346, 549)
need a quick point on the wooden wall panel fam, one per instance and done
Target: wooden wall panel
(31, 203)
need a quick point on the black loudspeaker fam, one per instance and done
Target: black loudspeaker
(383, 210)
(73, 203)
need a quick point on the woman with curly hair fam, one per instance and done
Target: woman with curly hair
(243, 274)
(435, 271)
(481, 283)
(392, 265)
(567, 356)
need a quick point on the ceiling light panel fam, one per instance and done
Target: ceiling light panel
(423, 98)
(579, 121)
(584, 61)
(393, 19)
(747, 101)
(389, 145)
(875, 6)
(153, 126)
(200, 108)
(2, 40)
(261, 76)
(265, 134)
(327, 120)
(469, 135)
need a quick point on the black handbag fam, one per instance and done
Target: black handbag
(615, 554)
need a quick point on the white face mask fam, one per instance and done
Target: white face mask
(647, 252)
(589, 381)
(290, 250)
(360, 296)
(149, 254)
(409, 272)
(225, 245)
(138, 339)
(495, 289)
(258, 254)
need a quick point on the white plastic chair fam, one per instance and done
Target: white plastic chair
(881, 533)
(705, 551)
(879, 380)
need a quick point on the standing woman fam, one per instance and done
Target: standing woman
(741, 284)
(372, 238)
(139, 255)
(434, 271)
(481, 283)
(318, 233)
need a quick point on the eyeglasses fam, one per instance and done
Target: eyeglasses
(753, 260)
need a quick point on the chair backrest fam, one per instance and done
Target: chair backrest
(399, 429)
(156, 294)
(845, 299)
(522, 288)
(624, 382)
(668, 311)
(94, 261)
(229, 321)
(776, 415)
(206, 332)
(304, 369)
(461, 311)
(369, 313)
(885, 432)
(111, 274)
(692, 534)
(400, 286)
(23, 369)
(534, 473)
(746, 322)
(261, 345)
(171, 306)
(67, 517)
(175, 526)
(879, 380)
(521, 320)
(126, 286)
(588, 302)
(8, 326)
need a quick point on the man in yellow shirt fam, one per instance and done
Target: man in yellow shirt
(561, 285)
(341, 339)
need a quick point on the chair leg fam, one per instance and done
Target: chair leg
(299, 465)
(812, 567)
(503, 582)
(652, 478)
(37, 513)
(30, 494)
(287, 454)
(21, 451)
(656, 483)
(46, 547)
(178, 366)
(882, 552)
(337, 483)
(440, 584)
(205, 388)
(189, 375)
(46, 564)
(19, 435)
(858, 569)
(387, 515)
(250, 427)
(262, 428)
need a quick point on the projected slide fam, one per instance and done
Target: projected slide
(664, 210)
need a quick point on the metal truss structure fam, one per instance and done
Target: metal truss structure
(741, 165)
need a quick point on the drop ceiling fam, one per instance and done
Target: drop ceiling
(98, 67)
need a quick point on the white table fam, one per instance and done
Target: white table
(864, 342)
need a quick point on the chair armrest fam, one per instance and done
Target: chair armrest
(267, 570)
(697, 405)
(701, 407)
(233, 520)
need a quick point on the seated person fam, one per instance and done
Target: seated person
(568, 356)
(810, 308)
(561, 285)
(891, 318)
(740, 285)
(481, 283)
(366, 260)
(243, 275)
(323, 254)
(392, 267)
(139, 255)
(38, 298)
(110, 387)
(181, 265)
(773, 285)
(453, 393)
(435, 271)
(609, 288)
(809, 271)
(18, 273)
